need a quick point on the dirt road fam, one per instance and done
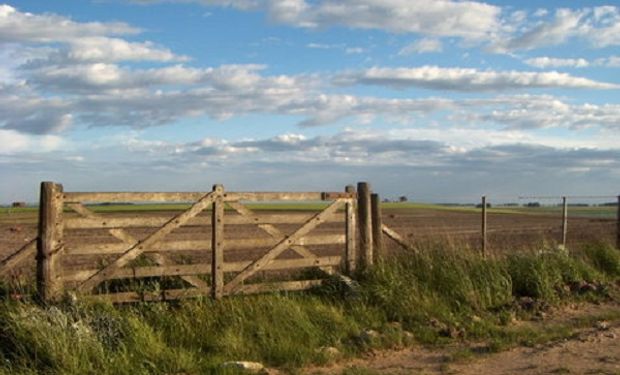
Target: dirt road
(591, 350)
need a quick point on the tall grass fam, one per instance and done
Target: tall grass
(441, 294)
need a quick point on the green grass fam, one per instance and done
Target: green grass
(442, 295)
(573, 211)
(592, 212)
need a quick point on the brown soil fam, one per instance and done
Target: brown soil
(507, 232)
(591, 350)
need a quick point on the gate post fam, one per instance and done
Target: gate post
(50, 241)
(217, 243)
(618, 224)
(564, 222)
(483, 229)
(377, 225)
(365, 223)
(351, 234)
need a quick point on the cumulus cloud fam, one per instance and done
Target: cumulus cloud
(424, 45)
(470, 20)
(610, 61)
(81, 41)
(104, 49)
(553, 62)
(14, 142)
(16, 26)
(396, 148)
(26, 111)
(543, 111)
(502, 29)
(599, 26)
(466, 79)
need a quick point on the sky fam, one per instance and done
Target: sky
(435, 100)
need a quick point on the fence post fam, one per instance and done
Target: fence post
(484, 226)
(217, 243)
(351, 234)
(618, 225)
(564, 221)
(365, 223)
(50, 241)
(377, 223)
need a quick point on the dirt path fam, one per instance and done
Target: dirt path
(592, 350)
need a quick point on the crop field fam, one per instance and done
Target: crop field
(443, 300)
(510, 229)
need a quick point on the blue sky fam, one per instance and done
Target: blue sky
(440, 101)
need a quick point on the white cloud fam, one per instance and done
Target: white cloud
(26, 111)
(610, 61)
(355, 50)
(14, 142)
(104, 49)
(543, 111)
(599, 26)
(467, 19)
(424, 45)
(552, 62)
(470, 20)
(16, 26)
(404, 150)
(466, 79)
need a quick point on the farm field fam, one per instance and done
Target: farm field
(466, 307)
(509, 229)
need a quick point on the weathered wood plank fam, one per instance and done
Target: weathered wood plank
(273, 196)
(123, 197)
(365, 223)
(564, 221)
(217, 243)
(276, 287)
(172, 294)
(377, 223)
(483, 226)
(50, 241)
(202, 268)
(205, 245)
(110, 221)
(351, 233)
(282, 245)
(164, 295)
(273, 231)
(129, 240)
(26, 252)
(397, 238)
(134, 251)
(328, 196)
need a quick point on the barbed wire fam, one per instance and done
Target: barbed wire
(567, 196)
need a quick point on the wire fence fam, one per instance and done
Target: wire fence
(515, 222)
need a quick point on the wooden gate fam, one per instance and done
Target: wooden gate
(206, 264)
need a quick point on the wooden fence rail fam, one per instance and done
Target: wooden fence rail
(213, 274)
(145, 246)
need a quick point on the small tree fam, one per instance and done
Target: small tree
(402, 198)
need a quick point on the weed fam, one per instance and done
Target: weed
(437, 296)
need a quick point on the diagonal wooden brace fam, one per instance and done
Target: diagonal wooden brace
(276, 233)
(26, 252)
(284, 244)
(270, 229)
(128, 239)
(134, 251)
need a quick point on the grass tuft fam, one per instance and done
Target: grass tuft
(439, 295)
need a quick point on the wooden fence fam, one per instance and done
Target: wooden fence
(144, 246)
(55, 250)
